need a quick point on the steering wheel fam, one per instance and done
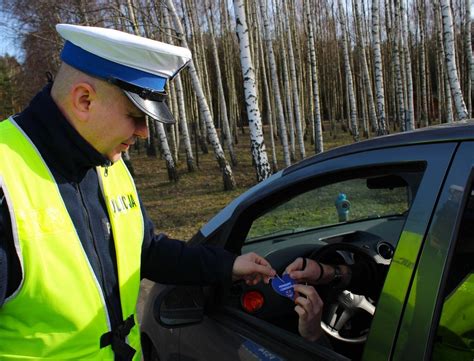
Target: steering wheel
(342, 306)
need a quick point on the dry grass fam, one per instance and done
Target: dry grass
(180, 209)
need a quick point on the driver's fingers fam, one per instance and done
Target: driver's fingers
(312, 303)
(301, 312)
(296, 265)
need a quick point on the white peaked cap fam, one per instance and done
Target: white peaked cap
(130, 50)
(140, 66)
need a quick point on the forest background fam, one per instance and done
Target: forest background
(271, 82)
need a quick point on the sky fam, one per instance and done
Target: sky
(8, 43)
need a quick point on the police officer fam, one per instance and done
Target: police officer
(75, 239)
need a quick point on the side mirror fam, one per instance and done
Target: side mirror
(178, 306)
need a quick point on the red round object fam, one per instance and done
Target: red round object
(252, 301)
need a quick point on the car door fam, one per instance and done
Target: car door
(452, 219)
(228, 333)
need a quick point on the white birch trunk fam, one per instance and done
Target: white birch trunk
(410, 121)
(268, 102)
(316, 117)
(220, 90)
(276, 87)
(378, 69)
(398, 70)
(166, 153)
(227, 175)
(181, 107)
(348, 70)
(424, 92)
(183, 123)
(257, 145)
(294, 83)
(450, 56)
(468, 49)
(172, 127)
(365, 71)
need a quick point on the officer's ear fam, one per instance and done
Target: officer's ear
(83, 95)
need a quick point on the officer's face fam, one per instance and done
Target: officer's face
(117, 123)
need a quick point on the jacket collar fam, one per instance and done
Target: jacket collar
(62, 147)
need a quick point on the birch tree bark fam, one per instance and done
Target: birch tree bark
(450, 56)
(227, 175)
(468, 49)
(410, 114)
(269, 111)
(183, 123)
(276, 86)
(378, 69)
(257, 144)
(316, 117)
(365, 71)
(166, 152)
(289, 105)
(348, 71)
(294, 82)
(423, 80)
(397, 49)
(220, 89)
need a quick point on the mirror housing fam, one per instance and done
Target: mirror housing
(179, 306)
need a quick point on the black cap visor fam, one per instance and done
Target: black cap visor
(156, 109)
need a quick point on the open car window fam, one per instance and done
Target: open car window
(348, 200)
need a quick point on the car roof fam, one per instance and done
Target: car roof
(448, 132)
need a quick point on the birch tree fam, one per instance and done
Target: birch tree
(276, 87)
(257, 144)
(399, 85)
(220, 89)
(348, 71)
(294, 81)
(227, 175)
(423, 80)
(166, 152)
(378, 69)
(365, 70)
(450, 56)
(468, 50)
(410, 114)
(316, 117)
(181, 106)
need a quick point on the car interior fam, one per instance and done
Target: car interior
(352, 218)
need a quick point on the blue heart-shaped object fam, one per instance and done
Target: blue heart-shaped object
(284, 286)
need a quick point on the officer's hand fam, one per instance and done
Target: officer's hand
(310, 273)
(252, 268)
(309, 308)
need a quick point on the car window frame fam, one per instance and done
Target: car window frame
(435, 262)
(437, 158)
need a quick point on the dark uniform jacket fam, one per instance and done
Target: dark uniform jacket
(72, 162)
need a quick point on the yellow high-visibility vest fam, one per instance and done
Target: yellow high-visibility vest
(58, 312)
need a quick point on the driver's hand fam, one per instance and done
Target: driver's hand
(310, 273)
(309, 308)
